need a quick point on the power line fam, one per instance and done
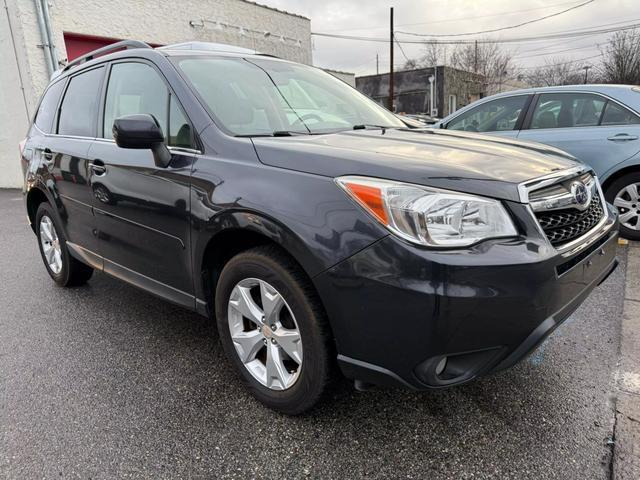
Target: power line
(401, 49)
(543, 54)
(562, 63)
(538, 38)
(510, 27)
(455, 19)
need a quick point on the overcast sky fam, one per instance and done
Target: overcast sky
(371, 18)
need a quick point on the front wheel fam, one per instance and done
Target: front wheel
(624, 193)
(273, 329)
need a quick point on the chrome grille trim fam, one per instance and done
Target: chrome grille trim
(592, 231)
(525, 188)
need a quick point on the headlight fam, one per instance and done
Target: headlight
(430, 216)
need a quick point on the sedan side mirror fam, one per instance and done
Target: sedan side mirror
(142, 131)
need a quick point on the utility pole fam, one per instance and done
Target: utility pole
(391, 61)
(377, 65)
(586, 70)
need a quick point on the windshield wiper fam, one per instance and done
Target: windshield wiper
(288, 133)
(277, 133)
(364, 126)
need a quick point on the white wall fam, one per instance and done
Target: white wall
(153, 21)
(168, 21)
(15, 108)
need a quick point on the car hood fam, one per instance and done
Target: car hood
(472, 163)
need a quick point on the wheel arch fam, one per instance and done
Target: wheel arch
(35, 197)
(635, 168)
(237, 232)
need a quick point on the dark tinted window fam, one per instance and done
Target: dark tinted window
(135, 88)
(80, 105)
(614, 114)
(496, 115)
(48, 106)
(564, 110)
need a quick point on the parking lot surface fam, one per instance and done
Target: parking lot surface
(105, 381)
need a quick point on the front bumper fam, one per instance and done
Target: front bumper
(403, 315)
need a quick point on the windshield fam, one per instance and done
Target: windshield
(262, 97)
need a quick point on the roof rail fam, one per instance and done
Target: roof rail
(208, 46)
(125, 44)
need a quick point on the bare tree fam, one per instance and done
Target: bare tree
(434, 54)
(556, 71)
(411, 64)
(487, 59)
(621, 58)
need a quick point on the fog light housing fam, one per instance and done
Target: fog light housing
(450, 369)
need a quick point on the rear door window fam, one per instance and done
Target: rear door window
(567, 110)
(48, 107)
(79, 109)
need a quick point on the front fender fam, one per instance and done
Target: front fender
(307, 215)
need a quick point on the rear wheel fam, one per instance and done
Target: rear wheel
(624, 193)
(273, 329)
(65, 270)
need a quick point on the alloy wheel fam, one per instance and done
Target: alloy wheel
(628, 202)
(50, 244)
(265, 334)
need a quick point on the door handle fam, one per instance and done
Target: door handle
(622, 137)
(98, 168)
(47, 154)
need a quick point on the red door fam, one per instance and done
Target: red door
(78, 44)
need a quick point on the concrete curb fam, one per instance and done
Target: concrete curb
(626, 454)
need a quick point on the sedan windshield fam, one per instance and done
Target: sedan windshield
(254, 97)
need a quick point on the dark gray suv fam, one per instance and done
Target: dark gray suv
(313, 225)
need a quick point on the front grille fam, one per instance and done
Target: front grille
(562, 226)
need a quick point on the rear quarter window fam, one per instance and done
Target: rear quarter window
(48, 105)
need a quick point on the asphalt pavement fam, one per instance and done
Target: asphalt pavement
(106, 381)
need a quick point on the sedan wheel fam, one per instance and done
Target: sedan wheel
(265, 334)
(628, 202)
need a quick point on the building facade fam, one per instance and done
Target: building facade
(452, 89)
(36, 35)
(347, 77)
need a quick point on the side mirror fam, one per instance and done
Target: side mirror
(142, 131)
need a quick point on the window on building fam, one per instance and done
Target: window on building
(496, 115)
(48, 106)
(79, 109)
(138, 88)
(565, 110)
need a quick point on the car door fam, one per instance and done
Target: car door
(66, 152)
(501, 116)
(595, 129)
(142, 210)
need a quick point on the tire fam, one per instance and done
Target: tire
(630, 216)
(301, 385)
(68, 271)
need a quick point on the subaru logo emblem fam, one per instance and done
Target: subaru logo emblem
(580, 194)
